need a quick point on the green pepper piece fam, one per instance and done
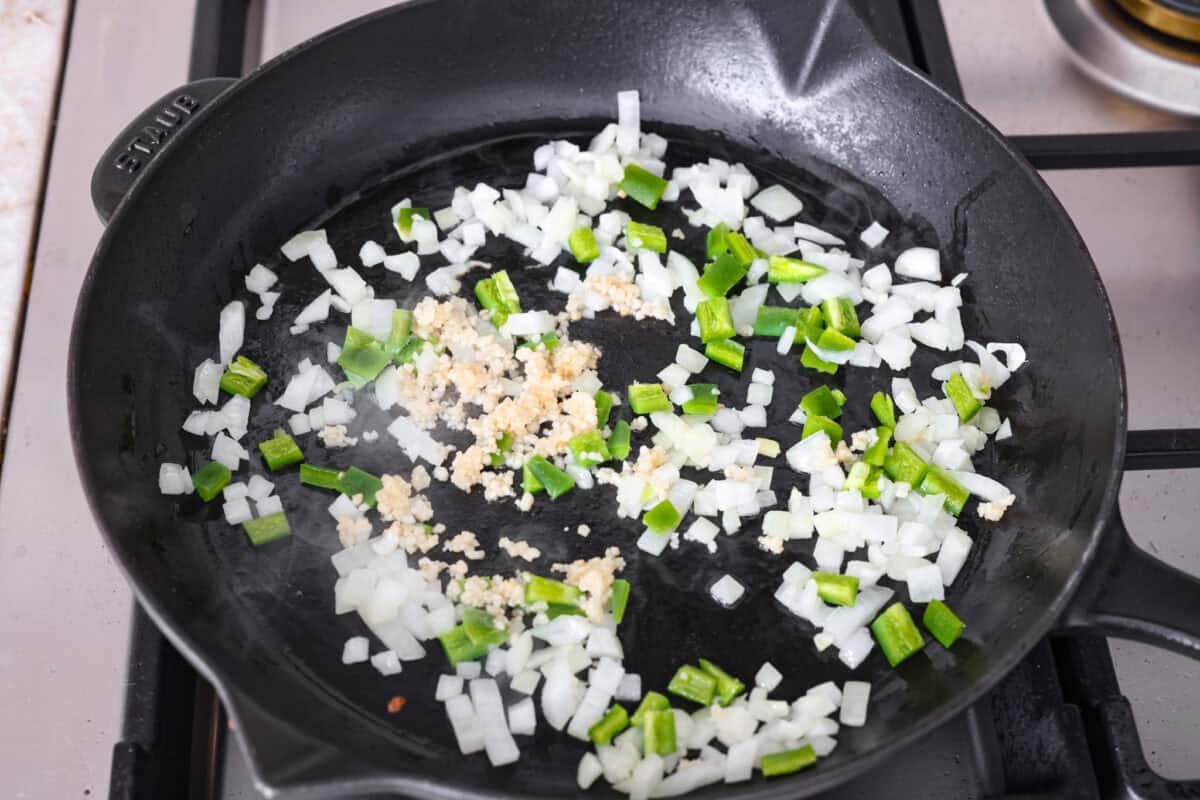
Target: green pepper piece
(663, 518)
(554, 480)
(838, 590)
(813, 361)
(965, 402)
(459, 647)
(243, 377)
(716, 322)
(620, 599)
(643, 186)
(715, 242)
(604, 407)
(658, 732)
(816, 422)
(943, 623)
(721, 275)
(481, 628)
(728, 687)
(727, 353)
(774, 320)
(267, 529)
(210, 479)
(904, 465)
(615, 720)
(704, 399)
(821, 401)
(693, 683)
(548, 590)
(647, 398)
(618, 441)
(588, 449)
(788, 762)
(876, 454)
(781, 269)
(639, 236)
(936, 481)
(582, 242)
(897, 634)
(280, 451)
(652, 701)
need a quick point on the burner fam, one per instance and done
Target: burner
(1134, 57)
(1178, 18)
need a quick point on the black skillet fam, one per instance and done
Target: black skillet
(417, 99)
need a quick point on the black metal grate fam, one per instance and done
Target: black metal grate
(1057, 727)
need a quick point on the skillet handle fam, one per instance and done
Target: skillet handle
(143, 139)
(1130, 594)
(279, 757)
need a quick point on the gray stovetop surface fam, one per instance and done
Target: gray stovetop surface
(64, 608)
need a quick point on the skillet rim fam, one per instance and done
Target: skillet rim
(236, 699)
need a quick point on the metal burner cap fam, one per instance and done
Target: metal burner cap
(1178, 18)
(1130, 58)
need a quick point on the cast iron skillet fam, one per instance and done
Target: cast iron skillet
(417, 99)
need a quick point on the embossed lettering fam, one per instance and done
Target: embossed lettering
(186, 103)
(168, 118)
(151, 137)
(127, 162)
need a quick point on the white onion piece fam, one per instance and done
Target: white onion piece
(529, 323)
(232, 330)
(1004, 431)
(561, 694)
(386, 662)
(873, 235)
(1014, 354)
(921, 295)
(814, 234)
(896, 348)
(930, 333)
(603, 684)
(727, 591)
(522, 719)
(174, 479)
(497, 741)
(922, 263)
(739, 761)
(629, 122)
(829, 286)
(206, 381)
(355, 650)
(997, 374)
(855, 648)
(415, 442)
(316, 311)
(468, 730)
(890, 314)
(784, 345)
(448, 686)
(777, 203)
(953, 555)
(925, 584)
(227, 451)
(982, 486)
(299, 245)
(832, 356)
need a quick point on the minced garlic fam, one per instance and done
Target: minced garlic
(519, 549)
(994, 510)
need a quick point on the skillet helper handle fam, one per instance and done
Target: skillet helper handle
(279, 756)
(1131, 594)
(144, 138)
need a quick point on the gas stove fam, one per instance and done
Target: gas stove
(1079, 718)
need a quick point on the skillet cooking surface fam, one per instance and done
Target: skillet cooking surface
(261, 619)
